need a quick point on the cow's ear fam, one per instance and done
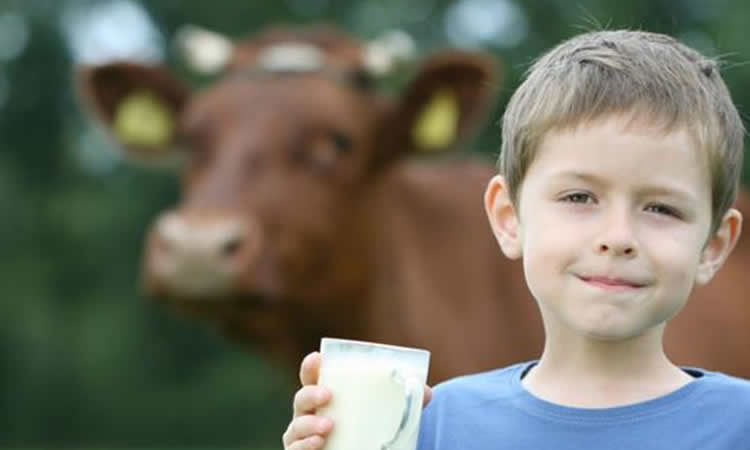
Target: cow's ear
(446, 101)
(139, 105)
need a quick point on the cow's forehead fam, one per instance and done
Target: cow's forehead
(336, 47)
(309, 97)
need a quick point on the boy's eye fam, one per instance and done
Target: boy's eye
(664, 210)
(578, 197)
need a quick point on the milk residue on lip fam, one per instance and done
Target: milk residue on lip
(367, 403)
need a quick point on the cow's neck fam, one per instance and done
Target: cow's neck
(437, 273)
(330, 305)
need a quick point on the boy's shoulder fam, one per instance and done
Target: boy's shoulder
(723, 386)
(479, 388)
(722, 399)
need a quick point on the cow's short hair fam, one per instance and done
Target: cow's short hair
(653, 78)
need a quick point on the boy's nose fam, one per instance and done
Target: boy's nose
(617, 237)
(616, 249)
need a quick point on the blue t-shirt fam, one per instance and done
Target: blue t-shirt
(493, 411)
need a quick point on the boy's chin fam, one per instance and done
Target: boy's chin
(621, 333)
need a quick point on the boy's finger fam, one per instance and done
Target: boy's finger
(427, 395)
(305, 426)
(310, 443)
(310, 398)
(310, 369)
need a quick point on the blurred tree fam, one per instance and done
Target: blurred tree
(84, 359)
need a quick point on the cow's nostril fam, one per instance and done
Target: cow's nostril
(231, 247)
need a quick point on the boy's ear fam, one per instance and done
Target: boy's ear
(139, 105)
(503, 217)
(719, 246)
(447, 100)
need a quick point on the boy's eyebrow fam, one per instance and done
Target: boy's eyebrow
(680, 194)
(589, 178)
(672, 191)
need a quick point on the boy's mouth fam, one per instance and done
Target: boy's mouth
(611, 283)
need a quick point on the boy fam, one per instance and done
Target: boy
(620, 162)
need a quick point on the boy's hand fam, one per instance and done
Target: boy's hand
(306, 430)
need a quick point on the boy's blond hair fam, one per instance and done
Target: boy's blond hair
(649, 76)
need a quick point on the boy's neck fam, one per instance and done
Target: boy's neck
(587, 373)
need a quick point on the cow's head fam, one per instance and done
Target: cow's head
(278, 153)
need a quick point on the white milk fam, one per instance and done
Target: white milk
(368, 404)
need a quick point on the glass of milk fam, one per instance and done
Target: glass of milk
(376, 392)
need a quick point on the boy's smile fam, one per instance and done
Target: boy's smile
(614, 284)
(612, 225)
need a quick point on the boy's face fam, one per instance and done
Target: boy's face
(612, 226)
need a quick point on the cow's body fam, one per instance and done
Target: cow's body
(303, 217)
(438, 273)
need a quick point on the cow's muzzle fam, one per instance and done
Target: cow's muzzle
(193, 256)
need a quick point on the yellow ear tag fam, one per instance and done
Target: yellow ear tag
(437, 126)
(144, 120)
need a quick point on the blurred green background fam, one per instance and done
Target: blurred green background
(85, 359)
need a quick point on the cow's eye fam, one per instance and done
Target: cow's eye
(323, 152)
(341, 142)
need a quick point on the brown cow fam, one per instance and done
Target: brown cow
(305, 213)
